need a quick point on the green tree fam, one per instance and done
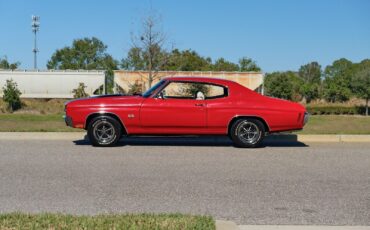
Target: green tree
(4, 64)
(337, 82)
(247, 64)
(336, 89)
(311, 72)
(285, 85)
(187, 60)
(147, 51)
(11, 95)
(223, 65)
(311, 76)
(361, 85)
(86, 53)
(134, 60)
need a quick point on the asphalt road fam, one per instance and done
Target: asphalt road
(326, 184)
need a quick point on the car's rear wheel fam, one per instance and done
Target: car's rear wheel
(247, 132)
(104, 131)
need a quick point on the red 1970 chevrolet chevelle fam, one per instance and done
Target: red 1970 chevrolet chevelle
(186, 106)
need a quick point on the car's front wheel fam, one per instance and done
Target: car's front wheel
(104, 131)
(247, 132)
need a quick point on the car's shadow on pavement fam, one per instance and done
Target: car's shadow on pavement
(289, 140)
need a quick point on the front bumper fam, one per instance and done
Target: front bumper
(68, 120)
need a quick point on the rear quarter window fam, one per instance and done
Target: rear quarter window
(216, 91)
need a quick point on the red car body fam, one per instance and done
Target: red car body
(151, 115)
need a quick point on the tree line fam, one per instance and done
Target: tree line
(5, 64)
(90, 53)
(337, 82)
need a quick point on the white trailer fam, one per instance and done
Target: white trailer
(52, 83)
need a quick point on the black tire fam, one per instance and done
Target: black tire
(104, 131)
(247, 132)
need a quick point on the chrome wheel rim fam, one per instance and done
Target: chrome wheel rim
(248, 132)
(104, 132)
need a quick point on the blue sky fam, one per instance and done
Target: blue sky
(278, 34)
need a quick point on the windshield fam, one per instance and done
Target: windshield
(153, 88)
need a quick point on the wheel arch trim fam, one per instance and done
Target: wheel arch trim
(236, 117)
(93, 114)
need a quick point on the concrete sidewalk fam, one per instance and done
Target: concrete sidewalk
(271, 138)
(300, 227)
(319, 138)
(229, 225)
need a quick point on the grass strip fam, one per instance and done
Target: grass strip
(34, 123)
(114, 221)
(337, 124)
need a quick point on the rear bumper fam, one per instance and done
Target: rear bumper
(68, 120)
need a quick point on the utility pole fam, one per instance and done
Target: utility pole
(35, 28)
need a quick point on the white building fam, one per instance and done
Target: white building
(52, 83)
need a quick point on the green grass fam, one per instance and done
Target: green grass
(337, 124)
(114, 221)
(318, 124)
(34, 123)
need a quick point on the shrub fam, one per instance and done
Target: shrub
(335, 110)
(79, 92)
(11, 95)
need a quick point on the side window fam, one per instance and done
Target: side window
(193, 90)
(216, 91)
(179, 90)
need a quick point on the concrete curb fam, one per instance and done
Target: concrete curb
(229, 225)
(272, 138)
(301, 227)
(318, 138)
(42, 135)
(226, 225)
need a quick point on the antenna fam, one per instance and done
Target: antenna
(35, 28)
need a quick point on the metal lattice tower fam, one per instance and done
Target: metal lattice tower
(35, 28)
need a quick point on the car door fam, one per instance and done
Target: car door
(175, 106)
(220, 108)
